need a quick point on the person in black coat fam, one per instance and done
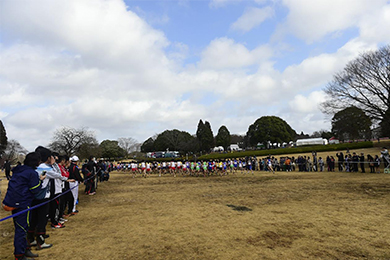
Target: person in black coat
(355, 161)
(89, 171)
(361, 159)
(340, 161)
(7, 168)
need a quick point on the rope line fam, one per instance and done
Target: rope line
(43, 203)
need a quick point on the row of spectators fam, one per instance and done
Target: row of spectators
(348, 162)
(48, 183)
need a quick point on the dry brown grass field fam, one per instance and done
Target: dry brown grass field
(290, 215)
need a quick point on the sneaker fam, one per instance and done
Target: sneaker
(41, 242)
(63, 220)
(59, 225)
(74, 212)
(44, 246)
(33, 243)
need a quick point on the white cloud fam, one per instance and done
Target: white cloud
(252, 18)
(89, 27)
(312, 20)
(318, 70)
(3, 114)
(81, 63)
(373, 26)
(224, 53)
(307, 104)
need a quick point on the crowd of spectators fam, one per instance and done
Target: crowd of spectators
(48, 183)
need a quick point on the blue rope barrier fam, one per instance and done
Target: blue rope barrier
(43, 203)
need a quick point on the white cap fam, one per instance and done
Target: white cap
(74, 158)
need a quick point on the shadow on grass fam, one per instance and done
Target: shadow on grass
(239, 208)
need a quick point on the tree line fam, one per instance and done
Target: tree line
(265, 129)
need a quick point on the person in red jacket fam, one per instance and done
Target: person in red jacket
(66, 200)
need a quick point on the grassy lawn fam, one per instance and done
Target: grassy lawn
(289, 215)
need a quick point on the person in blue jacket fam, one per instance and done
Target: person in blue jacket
(24, 186)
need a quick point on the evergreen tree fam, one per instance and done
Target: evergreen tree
(208, 141)
(269, 128)
(111, 149)
(205, 136)
(148, 145)
(174, 140)
(200, 134)
(351, 123)
(3, 139)
(385, 124)
(223, 137)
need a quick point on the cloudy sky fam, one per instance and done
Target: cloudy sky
(136, 68)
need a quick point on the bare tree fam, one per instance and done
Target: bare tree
(364, 83)
(14, 151)
(128, 144)
(69, 140)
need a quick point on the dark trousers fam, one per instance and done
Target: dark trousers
(21, 227)
(61, 206)
(66, 201)
(362, 167)
(90, 186)
(39, 216)
(340, 166)
(8, 174)
(54, 210)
